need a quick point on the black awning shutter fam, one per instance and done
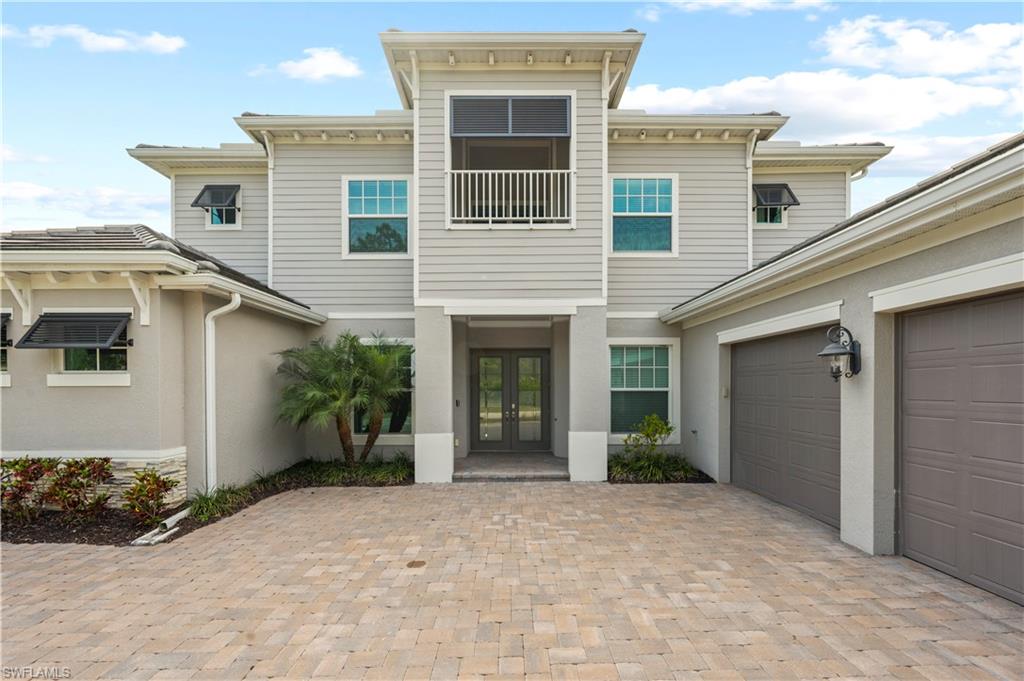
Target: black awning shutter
(510, 117)
(541, 116)
(4, 318)
(480, 116)
(217, 196)
(774, 195)
(76, 330)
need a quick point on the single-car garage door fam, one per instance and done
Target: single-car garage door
(785, 423)
(962, 441)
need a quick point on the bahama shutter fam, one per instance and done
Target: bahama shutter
(4, 318)
(774, 195)
(510, 117)
(217, 196)
(76, 330)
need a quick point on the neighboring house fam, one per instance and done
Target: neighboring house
(550, 258)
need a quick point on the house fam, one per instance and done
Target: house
(561, 266)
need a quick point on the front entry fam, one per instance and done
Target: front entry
(510, 401)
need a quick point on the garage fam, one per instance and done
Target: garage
(785, 423)
(961, 441)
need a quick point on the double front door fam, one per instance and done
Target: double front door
(510, 400)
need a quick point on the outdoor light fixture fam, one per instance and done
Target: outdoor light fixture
(842, 353)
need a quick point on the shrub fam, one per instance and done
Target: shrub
(145, 498)
(647, 436)
(651, 467)
(22, 484)
(222, 501)
(73, 487)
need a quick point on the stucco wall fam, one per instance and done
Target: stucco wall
(868, 400)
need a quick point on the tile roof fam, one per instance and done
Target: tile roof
(126, 238)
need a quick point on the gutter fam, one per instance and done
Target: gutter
(210, 385)
(219, 284)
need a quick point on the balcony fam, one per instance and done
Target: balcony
(510, 198)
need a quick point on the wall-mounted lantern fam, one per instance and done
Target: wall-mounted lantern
(842, 353)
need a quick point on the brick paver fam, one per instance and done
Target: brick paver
(521, 580)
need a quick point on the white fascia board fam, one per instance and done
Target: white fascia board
(991, 276)
(510, 40)
(400, 120)
(944, 200)
(219, 284)
(766, 123)
(809, 318)
(155, 260)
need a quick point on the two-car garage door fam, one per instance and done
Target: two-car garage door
(785, 423)
(962, 441)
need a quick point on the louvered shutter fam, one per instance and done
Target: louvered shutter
(480, 116)
(75, 330)
(540, 116)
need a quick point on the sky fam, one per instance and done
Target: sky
(83, 82)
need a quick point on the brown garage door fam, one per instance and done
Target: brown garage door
(785, 423)
(962, 441)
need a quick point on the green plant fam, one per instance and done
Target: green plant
(222, 501)
(647, 436)
(329, 381)
(145, 498)
(653, 467)
(22, 484)
(73, 487)
(323, 383)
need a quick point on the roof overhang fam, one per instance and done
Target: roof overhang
(639, 126)
(956, 195)
(510, 51)
(853, 158)
(383, 127)
(170, 160)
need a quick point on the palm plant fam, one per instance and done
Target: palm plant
(324, 385)
(383, 376)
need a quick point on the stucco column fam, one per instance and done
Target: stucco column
(589, 400)
(867, 423)
(433, 424)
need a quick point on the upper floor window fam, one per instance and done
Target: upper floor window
(221, 203)
(376, 219)
(771, 205)
(644, 215)
(511, 116)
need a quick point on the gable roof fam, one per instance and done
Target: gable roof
(127, 238)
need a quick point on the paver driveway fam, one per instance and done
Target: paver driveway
(545, 580)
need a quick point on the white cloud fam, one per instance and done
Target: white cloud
(749, 6)
(93, 204)
(320, 64)
(827, 104)
(928, 154)
(10, 155)
(90, 41)
(925, 47)
(650, 13)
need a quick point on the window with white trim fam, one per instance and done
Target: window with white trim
(74, 360)
(376, 216)
(640, 384)
(397, 421)
(771, 204)
(222, 204)
(644, 215)
(770, 216)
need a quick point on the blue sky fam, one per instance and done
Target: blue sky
(81, 82)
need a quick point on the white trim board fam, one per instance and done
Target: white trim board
(990, 276)
(147, 455)
(634, 314)
(674, 381)
(371, 315)
(89, 379)
(792, 321)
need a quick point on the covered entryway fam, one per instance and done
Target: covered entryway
(785, 423)
(510, 405)
(962, 441)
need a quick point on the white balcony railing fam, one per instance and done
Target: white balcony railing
(510, 197)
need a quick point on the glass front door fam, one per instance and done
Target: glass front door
(510, 400)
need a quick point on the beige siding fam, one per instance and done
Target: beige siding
(822, 199)
(510, 263)
(712, 223)
(244, 249)
(308, 263)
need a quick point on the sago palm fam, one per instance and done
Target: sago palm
(383, 375)
(323, 387)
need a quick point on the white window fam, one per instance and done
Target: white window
(224, 218)
(770, 217)
(644, 209)
(642, 378)
(375, 216)
(92, 359)
(396, 428)
(772, 202)
(222, 205)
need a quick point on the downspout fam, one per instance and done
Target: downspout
(268, 144)
(751, 145)
(210, 392)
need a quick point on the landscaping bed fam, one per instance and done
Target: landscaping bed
(115, 526)
(653, 468)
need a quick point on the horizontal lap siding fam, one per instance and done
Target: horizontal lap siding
(510, 263)
(308, 261)
(712, 223)
(244, 249)
(822, 199)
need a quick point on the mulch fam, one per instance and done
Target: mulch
(112, 526)
(700, 477)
